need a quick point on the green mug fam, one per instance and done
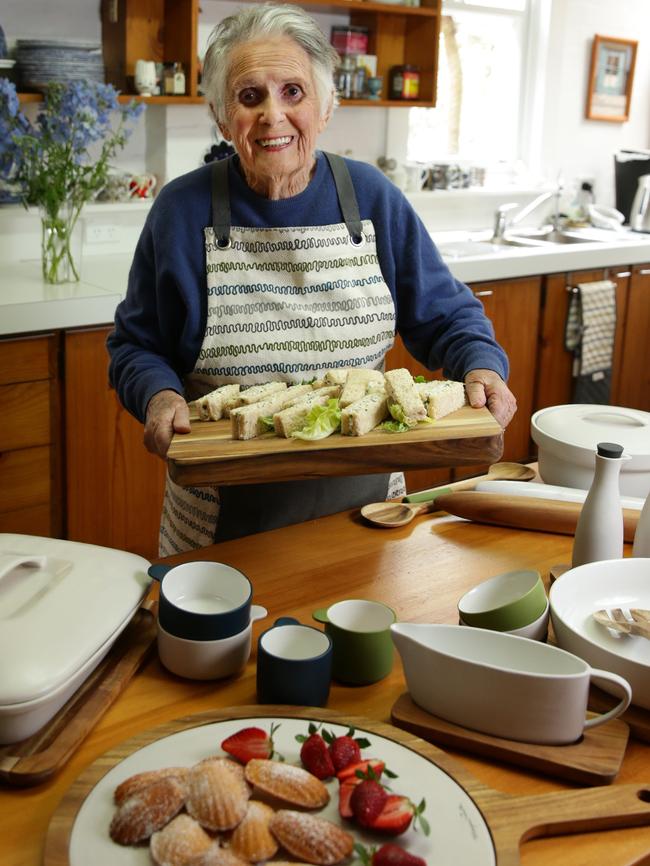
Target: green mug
(361, 640)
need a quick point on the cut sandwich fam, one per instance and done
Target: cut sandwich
(247, 421)
(261, 392)
(337, 376)
(357, 384)
(361, 417)
(286, 421)
(211, 406)
(404, 401)
(442, 397)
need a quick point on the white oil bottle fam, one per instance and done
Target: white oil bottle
(642, 535)
(599, 533)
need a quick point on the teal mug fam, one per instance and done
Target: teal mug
(361, 640)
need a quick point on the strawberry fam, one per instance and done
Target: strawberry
(250, 743)
(367, 801)
(397, 814)
(346, 787)
(388, 855)
(316, 758)
(361, 769)
(344, 751)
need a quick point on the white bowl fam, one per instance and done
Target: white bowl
(208, 659)
(579, 592)
(567, 436)
(536, 630)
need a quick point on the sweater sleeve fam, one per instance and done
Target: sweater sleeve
(440, 321)
(158, 325)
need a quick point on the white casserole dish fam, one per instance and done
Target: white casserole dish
(59, 616)
(567, 436)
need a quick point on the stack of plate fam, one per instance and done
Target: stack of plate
(41, 61)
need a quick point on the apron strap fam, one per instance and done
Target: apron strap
(221, 203)
(344, 190)
(347, 196)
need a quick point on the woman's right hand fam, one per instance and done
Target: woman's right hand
(167, 413)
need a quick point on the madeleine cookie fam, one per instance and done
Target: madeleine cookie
(217, 856)
(147, 810)
(251, 839)
(179, 842)
(311, 839)
(286, 782)
(217, 793)
(136, 783)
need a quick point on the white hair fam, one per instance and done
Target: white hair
(258, 22)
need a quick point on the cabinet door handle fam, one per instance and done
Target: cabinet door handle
(625, 273)
(644, 272)
(484, 294)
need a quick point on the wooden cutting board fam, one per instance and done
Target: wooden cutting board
(594, 760)
(35, 759)
(209, 455)
(509, 819)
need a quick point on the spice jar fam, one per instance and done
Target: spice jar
(174, 79)
(404, 82)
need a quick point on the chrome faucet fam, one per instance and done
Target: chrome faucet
(502, 223)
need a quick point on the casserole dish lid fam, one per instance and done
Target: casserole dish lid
(584, 425)
(59, 608)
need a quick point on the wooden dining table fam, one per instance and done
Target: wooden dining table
(420, 570)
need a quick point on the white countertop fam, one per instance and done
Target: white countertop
(27, 304)
(618, 249)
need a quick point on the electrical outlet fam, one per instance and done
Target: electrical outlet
(102, 233)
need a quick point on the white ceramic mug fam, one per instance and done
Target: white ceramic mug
(145, 77)
(500, 684)
(415, 177)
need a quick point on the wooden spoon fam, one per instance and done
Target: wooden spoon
(392, 514)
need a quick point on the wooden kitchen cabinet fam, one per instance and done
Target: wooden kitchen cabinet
(633, 363)
(166, 31)
(30, 436)
(114, 486)
(554, 373)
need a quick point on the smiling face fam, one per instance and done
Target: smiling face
(273, 116)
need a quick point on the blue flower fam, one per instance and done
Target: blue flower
(65, 155)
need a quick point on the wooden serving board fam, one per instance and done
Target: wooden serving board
(35, 759)
(636, 718)
(594, 760)
(509, 819)
(209, 455)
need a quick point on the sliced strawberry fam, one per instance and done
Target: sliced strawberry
(344, 751)
(346, 787)
(250, 743)
(395, 817)
(393, 855)
(362, 769)
(316, 758)
(367, 801)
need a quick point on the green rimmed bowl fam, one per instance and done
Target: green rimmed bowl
(504, 602)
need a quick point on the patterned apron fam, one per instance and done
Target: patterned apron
(283, 304)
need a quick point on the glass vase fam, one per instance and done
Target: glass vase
(60, 244)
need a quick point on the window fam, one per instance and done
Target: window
(486, 84)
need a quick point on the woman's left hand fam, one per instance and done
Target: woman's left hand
(485, 387)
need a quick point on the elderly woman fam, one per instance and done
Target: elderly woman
(276, 264)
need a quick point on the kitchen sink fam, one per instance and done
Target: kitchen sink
(482, 244)
(468, 248)
(554, 236)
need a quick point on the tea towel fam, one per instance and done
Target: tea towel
(589, 334)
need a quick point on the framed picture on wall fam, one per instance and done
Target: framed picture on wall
(610, 78)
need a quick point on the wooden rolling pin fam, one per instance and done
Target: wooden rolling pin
(524, 512)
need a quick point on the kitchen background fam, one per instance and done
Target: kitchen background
(554, 138)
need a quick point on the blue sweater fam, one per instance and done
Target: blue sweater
(159, 326)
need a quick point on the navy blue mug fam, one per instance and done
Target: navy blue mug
(294, 664)
(203, 600)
